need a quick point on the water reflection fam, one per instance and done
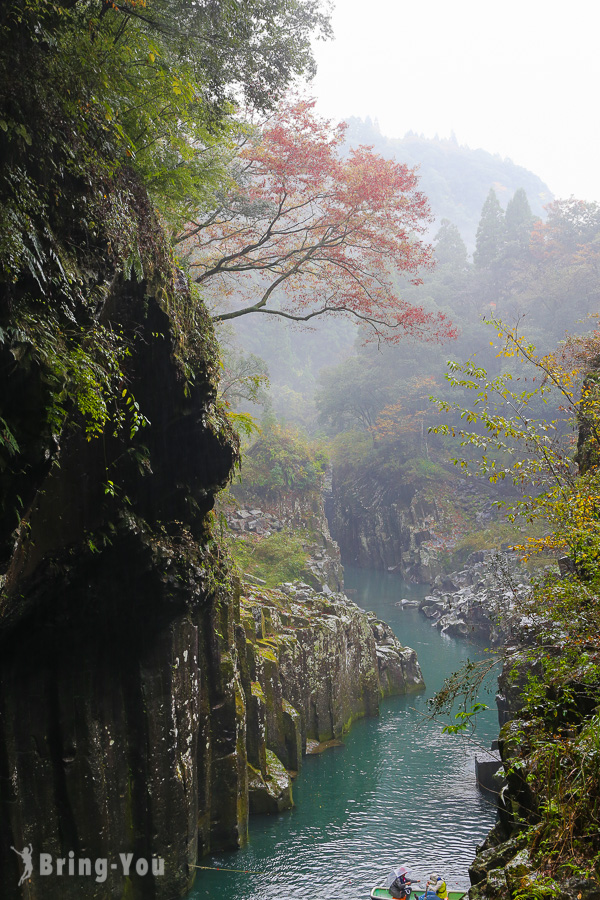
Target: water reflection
(398, 791)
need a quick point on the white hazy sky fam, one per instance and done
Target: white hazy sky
(521, 79)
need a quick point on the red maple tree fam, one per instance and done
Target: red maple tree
(306, 231)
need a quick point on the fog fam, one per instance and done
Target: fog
(514, 78)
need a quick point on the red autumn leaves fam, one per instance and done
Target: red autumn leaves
(307, 230)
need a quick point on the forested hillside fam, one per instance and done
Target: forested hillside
(199, 274)
(455, 178)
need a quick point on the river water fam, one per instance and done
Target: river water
(397, 792)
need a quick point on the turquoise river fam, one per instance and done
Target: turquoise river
(398, 791)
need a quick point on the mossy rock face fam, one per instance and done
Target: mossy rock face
(292, 725)
(382, 522)
(256, 729)
(496, 887)
(506, 870)
(321, 663)
(493, 888)
(270, 793)
(579, 889)
(122, 716)
(519, 870)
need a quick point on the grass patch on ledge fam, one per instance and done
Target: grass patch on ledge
(497, 535)
(280, 557)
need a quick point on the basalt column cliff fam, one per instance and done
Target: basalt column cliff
(143, 711)
(119, 731)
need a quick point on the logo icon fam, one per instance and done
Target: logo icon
(27, 856)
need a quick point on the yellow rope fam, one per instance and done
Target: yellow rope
(222, 869)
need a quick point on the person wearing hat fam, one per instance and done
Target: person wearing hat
(436, 889)
(399, 883)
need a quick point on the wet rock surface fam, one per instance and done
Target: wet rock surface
(122, 723)
(316, 662)
(381, 525)
(482, 600)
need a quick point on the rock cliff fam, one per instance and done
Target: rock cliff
(141, 711)
(322, 567)
(117, 698)
(381, 525)
(315, 663)
(414, 527)
(145, 708)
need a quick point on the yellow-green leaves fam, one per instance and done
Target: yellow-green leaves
(509, 438)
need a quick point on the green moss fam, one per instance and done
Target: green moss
(127, 890)
(280, 557)
(271, 640)
(289, 709)
(240, 706)
(493, 537)
(275, 766)
(267, 653)
(352, 719)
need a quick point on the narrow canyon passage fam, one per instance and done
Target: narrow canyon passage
(397, 791)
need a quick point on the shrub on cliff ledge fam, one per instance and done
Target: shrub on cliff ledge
(276, 558)
(282, 465)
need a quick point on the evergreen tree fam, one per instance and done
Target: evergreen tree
(519, 219)
(450, 249)
(491, 232)
(519, 222)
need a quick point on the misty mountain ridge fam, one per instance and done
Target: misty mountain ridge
(455, 178)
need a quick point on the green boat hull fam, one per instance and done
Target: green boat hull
(381, 893)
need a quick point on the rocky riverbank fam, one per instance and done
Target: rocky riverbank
(540, 746)
(482, 600)
(507, 864)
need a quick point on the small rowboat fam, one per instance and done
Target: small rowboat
(382, 893)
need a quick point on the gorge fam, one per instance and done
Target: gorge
(143, 709)
(176, 647)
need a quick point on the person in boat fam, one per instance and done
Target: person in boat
(435, 889)
(399, 883)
